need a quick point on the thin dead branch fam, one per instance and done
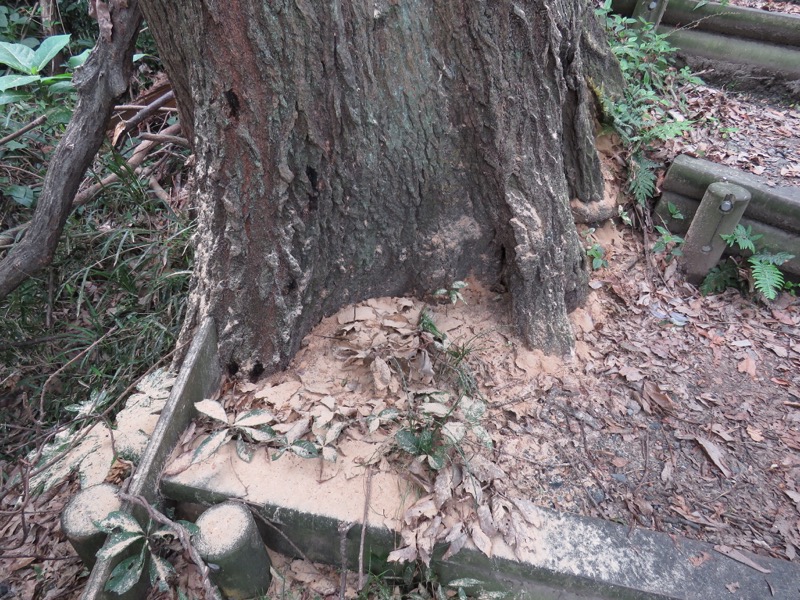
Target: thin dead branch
(183, 535)
(23, 130)
(143, 114)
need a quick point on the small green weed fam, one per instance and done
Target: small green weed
(668, 243)
(596, 253)
(675, 212)
(453, 293)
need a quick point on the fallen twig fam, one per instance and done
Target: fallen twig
(166, 139)
(151, 108)
(23, 130)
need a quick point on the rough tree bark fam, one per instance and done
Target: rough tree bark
(355, 148)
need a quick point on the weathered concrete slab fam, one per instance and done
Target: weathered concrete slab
(775, 238)
(778, 206)
(573, 556)
(198, 378)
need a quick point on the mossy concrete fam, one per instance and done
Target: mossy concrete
(719, 213)
(773, 211)
(573, 556)
(199, 378)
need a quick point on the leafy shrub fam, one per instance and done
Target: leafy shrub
(642, 117)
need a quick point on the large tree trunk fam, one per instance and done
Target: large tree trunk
(354, 148)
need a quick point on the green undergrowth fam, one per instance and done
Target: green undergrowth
(759, 271)
(110, 305)
(650, 110)
(108, 308)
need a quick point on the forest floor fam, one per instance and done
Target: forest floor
(678, 412)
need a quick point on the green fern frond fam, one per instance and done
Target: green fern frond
(743, 238)
(641, 178)
(668, 130)
(767, 277)
(720, 278)
(774, 258)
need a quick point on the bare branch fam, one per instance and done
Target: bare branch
(183, 535)
(23, 130)
(99, 82)
(148, 110)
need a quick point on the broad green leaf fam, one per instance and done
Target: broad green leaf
(51, 80)
(304, 449)
(8, 82)
(161, 570)
(116, 543)
(244, 450)
(47, 51)
(121, 521)
(437, 459)
(21, 194)
(18, 57)
(61, 87)
(265, 433)
(126, 574)
(406, 440)
(189, 526)
(13, 96)
(213, 409)
(210, 445)
(254, 418)
(73, 62)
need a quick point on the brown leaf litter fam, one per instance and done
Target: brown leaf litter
(652, 424)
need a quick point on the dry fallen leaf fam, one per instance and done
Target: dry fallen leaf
(653, 392)
(739, 557)
(747, 365)
(699, 559)
(481, 540)
(715, 454)
(755, 434)
(632, 374)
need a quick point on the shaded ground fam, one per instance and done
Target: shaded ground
(679, 413)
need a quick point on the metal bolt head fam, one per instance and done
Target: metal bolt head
(652, 5)
(726, 206)
(706, 248)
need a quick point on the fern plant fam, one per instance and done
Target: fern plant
(767, 277)
(763, 266)
(644, 115)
